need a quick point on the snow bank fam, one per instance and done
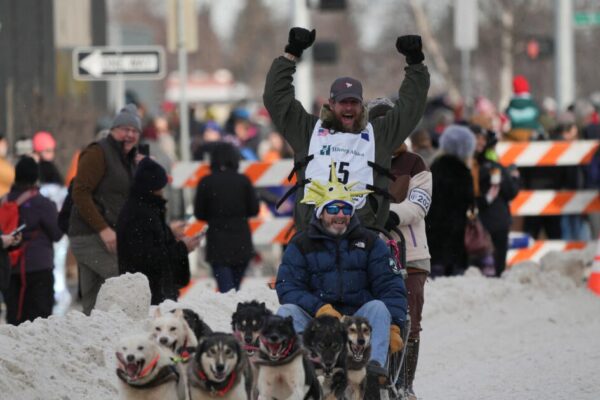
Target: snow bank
(533, 333)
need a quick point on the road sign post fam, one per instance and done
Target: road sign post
(124, 62)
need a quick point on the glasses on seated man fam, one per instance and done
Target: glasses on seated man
(334, 209)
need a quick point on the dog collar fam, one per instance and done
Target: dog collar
(183, 355)
(211, 385)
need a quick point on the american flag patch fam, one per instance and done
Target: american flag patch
(323, 132)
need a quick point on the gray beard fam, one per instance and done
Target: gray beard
(332, 231)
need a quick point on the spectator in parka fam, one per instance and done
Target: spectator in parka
(226, 199)
(31, 289)
(411, 192)
(523, 113)
(100, 188)
(495, 188)
(337, 267)
(452, 197)
(361, 150)
(145, 243)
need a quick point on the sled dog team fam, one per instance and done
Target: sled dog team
(182, 358)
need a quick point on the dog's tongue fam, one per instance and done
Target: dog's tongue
(357, 350)
(132, 370)
(274, 348)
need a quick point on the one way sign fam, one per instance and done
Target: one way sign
(126, 62)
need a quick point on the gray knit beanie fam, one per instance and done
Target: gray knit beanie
(128, 116)
(458, 141)
(379, 107)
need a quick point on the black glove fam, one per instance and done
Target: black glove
(299, 40)
(410, 46)
(392, 221)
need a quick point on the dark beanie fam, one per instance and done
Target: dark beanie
(149, 176)
(27, 171)
(128, 116)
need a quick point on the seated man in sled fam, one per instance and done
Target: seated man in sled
(337, 267)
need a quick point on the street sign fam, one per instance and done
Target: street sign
(586, 18)
(124, 62)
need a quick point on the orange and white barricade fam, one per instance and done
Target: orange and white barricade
(594, 278)
(546, 153)
(264, 231)
(261, 174)
(538, 249)
(553, 202)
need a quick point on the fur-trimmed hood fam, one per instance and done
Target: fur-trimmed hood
(331, 122)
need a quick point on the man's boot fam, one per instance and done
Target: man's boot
(376, 380)
(410, 363)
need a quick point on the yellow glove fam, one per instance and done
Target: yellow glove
(328, 309)
(396, 343)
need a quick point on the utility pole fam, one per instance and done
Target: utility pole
(304, 69)
(466, 40)
(564, 54)
(184, 121)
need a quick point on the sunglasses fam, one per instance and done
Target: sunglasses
(334, 209)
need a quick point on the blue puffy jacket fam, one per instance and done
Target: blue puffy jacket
(346, 272)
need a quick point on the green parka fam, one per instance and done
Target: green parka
(296, 125)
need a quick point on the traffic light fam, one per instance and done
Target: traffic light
(332, 5)
(327, 5)
(325, 52)
(539, 47)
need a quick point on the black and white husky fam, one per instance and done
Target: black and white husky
(219, 369)
(146, 371)
(196, 324)
(284, 372)
(325, 340)
(246, 323)
(359, 331)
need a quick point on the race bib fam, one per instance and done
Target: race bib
(350, 152)
(421, 198)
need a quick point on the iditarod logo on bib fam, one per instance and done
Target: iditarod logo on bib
(328, 149)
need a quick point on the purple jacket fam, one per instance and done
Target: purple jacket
(41, 217)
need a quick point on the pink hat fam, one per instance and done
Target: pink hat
(520, 85)
(43, 141)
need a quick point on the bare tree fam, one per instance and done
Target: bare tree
(431, 44)
(253, 44)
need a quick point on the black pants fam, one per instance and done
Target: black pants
(550, 224)
(38, 300)
(500, 240)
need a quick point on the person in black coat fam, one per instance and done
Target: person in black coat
(31, 289)
(452, 196)
(497, 187)
(226, 199)
(145, 243)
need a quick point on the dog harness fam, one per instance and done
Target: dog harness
(353, 156)
(212, 387)
(164, 375)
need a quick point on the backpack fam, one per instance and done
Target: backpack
(9, 220)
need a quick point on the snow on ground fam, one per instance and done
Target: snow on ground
(532, 334)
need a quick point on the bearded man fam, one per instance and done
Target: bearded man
(361, 150)
(337, 267)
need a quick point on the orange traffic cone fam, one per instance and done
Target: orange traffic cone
(594, 278)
